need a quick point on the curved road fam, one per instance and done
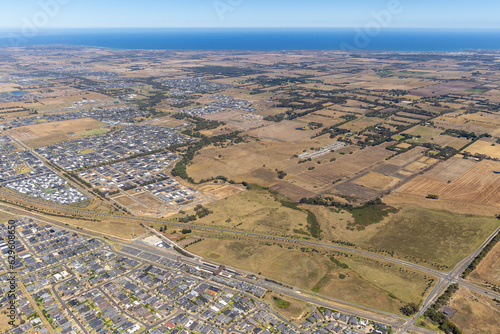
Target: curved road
(445, 278)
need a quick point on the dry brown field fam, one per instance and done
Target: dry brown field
(444, 88)
(459, 180)
(433, 135)
(377, 181)
(314, 270)
(49, 133)
(361, 123)
(476, 313)
(488, 269)
(485, 146)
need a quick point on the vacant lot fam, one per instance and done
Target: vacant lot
(315, 270)
(431, 237)
(475, 313)
(295, 309)
(4, 320)
(321, 178)
(256, 161)
(459, 180)
(49, 133)
(488, 269)
(254, 211)
(5, 216)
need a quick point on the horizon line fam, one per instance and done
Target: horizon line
(230, 28)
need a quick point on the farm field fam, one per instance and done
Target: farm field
(377, 181)
(485, 147)
(49, 133)
(433, 135)
(401, 200)
(321, 176)
(314, 270)
(443, 88)
(430, 237)
(365, 136)
(488, 269)
(459, 180)
(468, 123)
(255, 161)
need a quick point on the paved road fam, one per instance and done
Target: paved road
(445, 278)
(452, 277)
(75, 319)
(216, 229)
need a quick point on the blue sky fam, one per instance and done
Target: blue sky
(248, 13)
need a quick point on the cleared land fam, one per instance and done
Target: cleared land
(5, 216)
(294, 310)
(255, 211)
(368, 283)
(475, 313)
(431, 237)
(485, 147)
(488, 269)
(49, 133)
(459, 180)
(444, 88)
(426, 134)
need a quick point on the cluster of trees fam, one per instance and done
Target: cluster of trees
(189, 154)
(201, 211)
(338, 263)
(188, 218)
(440, 318)
(199, 122)
(409, 309)
(76, 178)
(460, 134)
(314, 125)
(150, 103)
(193, 242)
(439, 152)
(290, 114)
(281, 174)
(297, 102)
(334, 130)
(183, 252)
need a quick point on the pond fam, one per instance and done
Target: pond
(18, 92)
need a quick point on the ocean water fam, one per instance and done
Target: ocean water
(264, 39)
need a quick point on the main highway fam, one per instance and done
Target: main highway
(445, 279)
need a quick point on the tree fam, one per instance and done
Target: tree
(409, 309)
